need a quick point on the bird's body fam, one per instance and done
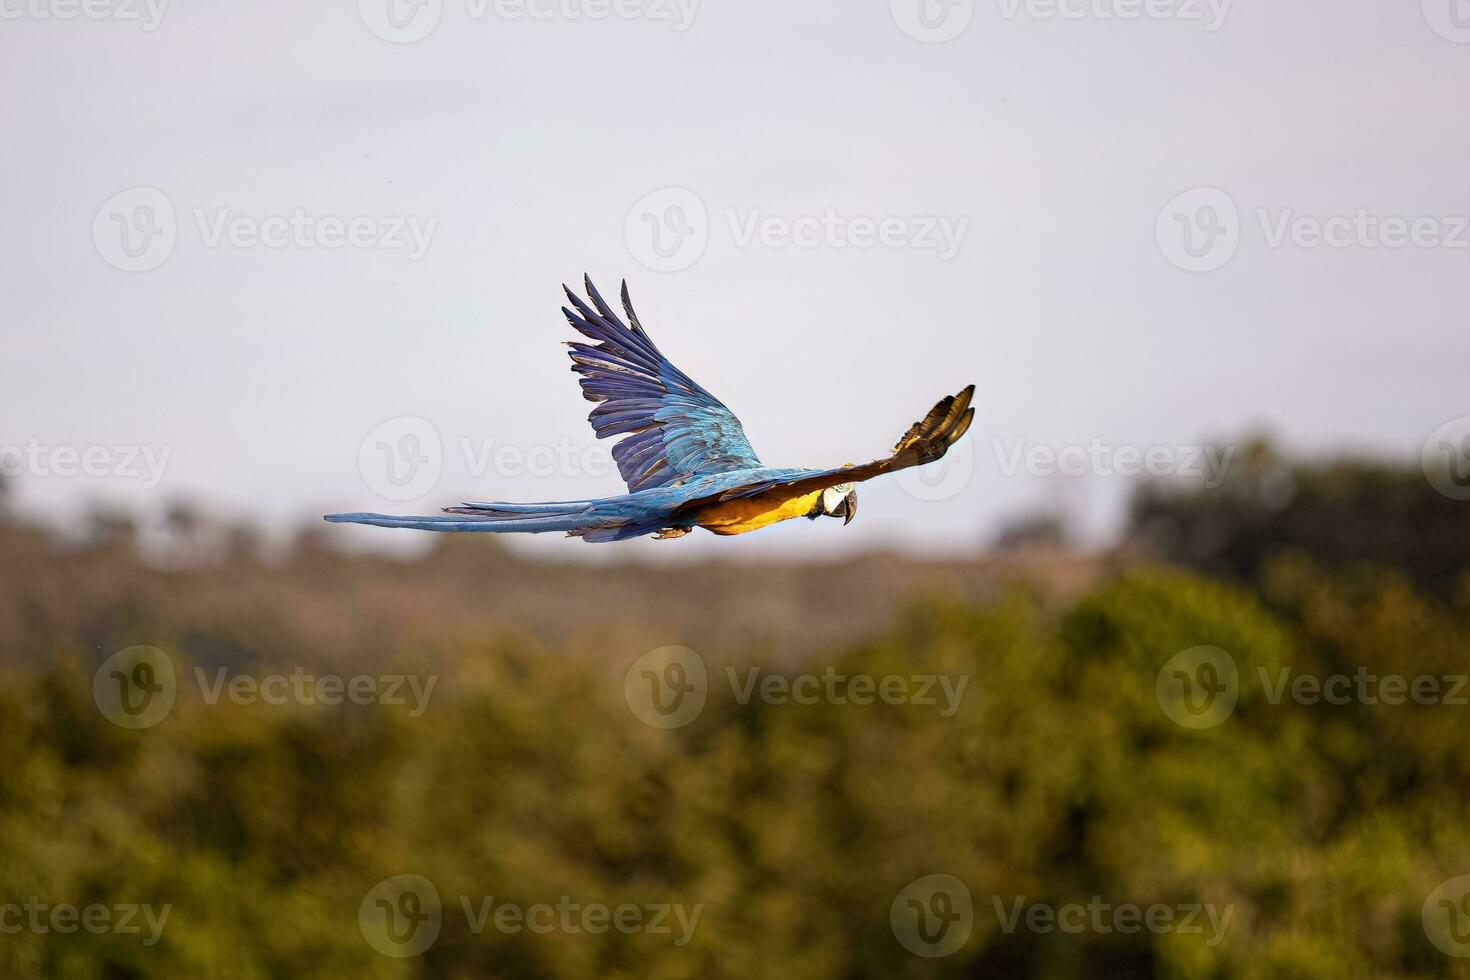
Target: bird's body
(651, 510)
(740, 516)
(686, 460)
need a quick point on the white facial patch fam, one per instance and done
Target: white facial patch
(832, 497)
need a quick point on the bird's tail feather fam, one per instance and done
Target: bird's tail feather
(499, 509)
(575, 516)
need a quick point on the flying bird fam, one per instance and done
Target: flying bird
(685, 457)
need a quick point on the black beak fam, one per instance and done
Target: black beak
(849, 508)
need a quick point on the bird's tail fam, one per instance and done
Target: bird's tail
(494, 518)
(586, 519)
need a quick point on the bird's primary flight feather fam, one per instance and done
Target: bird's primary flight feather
(682, 452)
(674, 427)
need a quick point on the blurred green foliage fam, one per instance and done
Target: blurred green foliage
(1323, 829)
(1339, 510)
(528, 778)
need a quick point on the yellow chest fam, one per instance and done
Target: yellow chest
(752, 514)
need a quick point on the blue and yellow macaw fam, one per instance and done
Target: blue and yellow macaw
(686, 460)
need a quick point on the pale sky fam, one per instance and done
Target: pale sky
(1046, 143)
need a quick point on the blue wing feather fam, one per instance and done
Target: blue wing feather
(675, 429)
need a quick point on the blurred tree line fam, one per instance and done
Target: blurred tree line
(1340, 511)
(1324, 827)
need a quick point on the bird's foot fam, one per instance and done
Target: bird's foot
(671, 532)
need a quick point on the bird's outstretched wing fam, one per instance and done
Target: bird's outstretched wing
(926, 441)
(675, 428)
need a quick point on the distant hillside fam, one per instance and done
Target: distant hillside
(322, 605)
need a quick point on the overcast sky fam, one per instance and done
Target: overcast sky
(830, 213)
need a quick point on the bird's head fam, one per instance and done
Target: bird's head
(840, 501)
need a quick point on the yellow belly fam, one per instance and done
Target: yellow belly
(752, 514)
